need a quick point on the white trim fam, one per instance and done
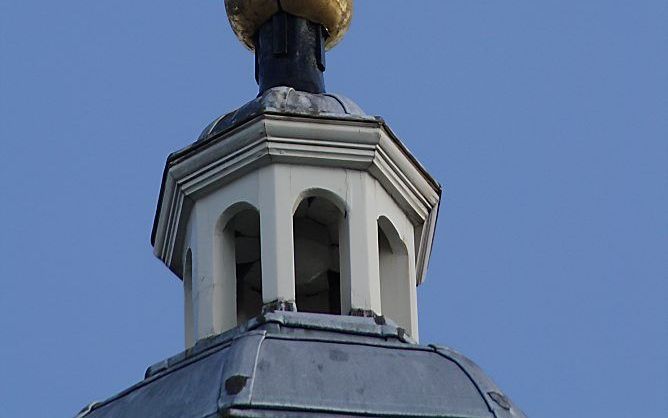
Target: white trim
(349, 144)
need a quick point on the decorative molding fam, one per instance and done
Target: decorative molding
(351, 144)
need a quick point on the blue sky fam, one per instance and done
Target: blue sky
(545, 121)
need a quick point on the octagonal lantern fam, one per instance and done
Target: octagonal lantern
(296, 201)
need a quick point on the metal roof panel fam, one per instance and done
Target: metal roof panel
(300, 364)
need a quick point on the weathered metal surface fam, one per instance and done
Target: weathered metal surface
(246, 16)
(287, 101)
(499, 404)
(190, 390)
(299, 374)
(285, 364)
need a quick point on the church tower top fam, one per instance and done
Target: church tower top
(298, 200)
(300, 227)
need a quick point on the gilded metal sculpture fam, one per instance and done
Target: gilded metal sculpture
(247, 16)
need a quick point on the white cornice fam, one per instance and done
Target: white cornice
(352, 144)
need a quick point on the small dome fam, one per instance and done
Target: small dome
(286, 101)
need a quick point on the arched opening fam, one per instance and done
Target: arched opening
(395, 290)
(238, 265)
(316, 225)
(188, 309)
(246, 229)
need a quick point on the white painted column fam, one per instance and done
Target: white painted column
(189, 320)
(225, 278)
(362, 240)
(344, 265)
(278, 269)
(409, 239)
(208, 288)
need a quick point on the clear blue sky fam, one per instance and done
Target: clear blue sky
(546, 122)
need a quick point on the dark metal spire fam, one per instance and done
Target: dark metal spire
(290, 52)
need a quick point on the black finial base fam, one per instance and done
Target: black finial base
(290, 51)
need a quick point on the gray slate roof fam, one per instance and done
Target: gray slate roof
(286, 364)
